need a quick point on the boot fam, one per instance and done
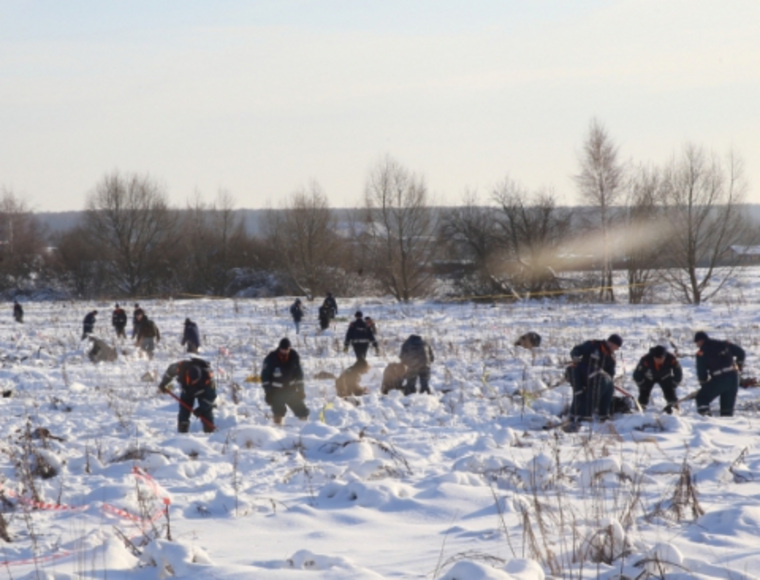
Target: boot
(183, 427)
(277, 419)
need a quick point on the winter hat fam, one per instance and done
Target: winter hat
(657, 351)
(701, 335)
(284, 343)
(187, 321)
(615, 339)
(358, 314)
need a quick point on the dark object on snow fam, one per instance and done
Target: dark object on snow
(18, 311)
(8, 393)
(529, 340)
(621, 405)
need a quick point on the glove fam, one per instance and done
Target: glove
(268, 396)
(300, 395)
(164, 387)
(740, 366)
(345, 348)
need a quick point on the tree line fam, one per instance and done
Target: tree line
(671, 225)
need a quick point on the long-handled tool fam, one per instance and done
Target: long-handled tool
(206, 422)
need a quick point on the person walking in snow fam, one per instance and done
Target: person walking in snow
(296, 311)
(197, 383)
(138, 315)
(331, 304)
(324, 317)
(282, 380)
(148, 335)
(191, 336)
(591, 376)
(18, 312)
(88, 324)
(417, 355)
(719, 363)
(658, 367)
(359, 336)
(119, 321)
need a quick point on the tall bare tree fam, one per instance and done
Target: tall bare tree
(531, 229)
(400, 230)
(129, 220)
(22, 241)
(644, 232)
(599, 184)
(704, 208)
(305, 238)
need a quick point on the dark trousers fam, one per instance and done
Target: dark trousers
(411, 381)
(282, 398)
(120, 332)
(596, 396)
(725, 386)
(360, 350)
(668, 390)
(205, 409)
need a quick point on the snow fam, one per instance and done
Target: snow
(464, 484)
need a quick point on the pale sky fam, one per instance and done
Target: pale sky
(259, 98)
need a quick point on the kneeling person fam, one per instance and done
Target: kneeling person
(658, 367)
(282, 379)
(197, 382)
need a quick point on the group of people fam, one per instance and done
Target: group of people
(719, 364)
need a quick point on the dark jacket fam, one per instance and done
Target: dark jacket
(18, 312)
(191, 334)
(181, 371)
(647, 369)
(148, 329)
(358, 332)
(717, 357)
(416, 353)
(89, 322)
(590, 359)
(284, 373)
(119, 318)
(331, 304)
(296, 311)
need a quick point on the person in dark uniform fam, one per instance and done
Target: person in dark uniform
(658, 367)
(88, 324)
(359, 336)
(191, 336)
(197, 382)
(324, 317)
(119, 321)
(282, 379)
(719, 363)
(591, 376)
(296, 311)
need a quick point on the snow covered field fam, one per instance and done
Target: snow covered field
(463, 484)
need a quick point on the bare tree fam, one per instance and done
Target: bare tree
(22, 241)
(644, 232)
(400, 230)
(215, 241)
(531, 229)
(599, 184)
(129, 220)
(305, 237)
(704, 197)
(78, 264)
